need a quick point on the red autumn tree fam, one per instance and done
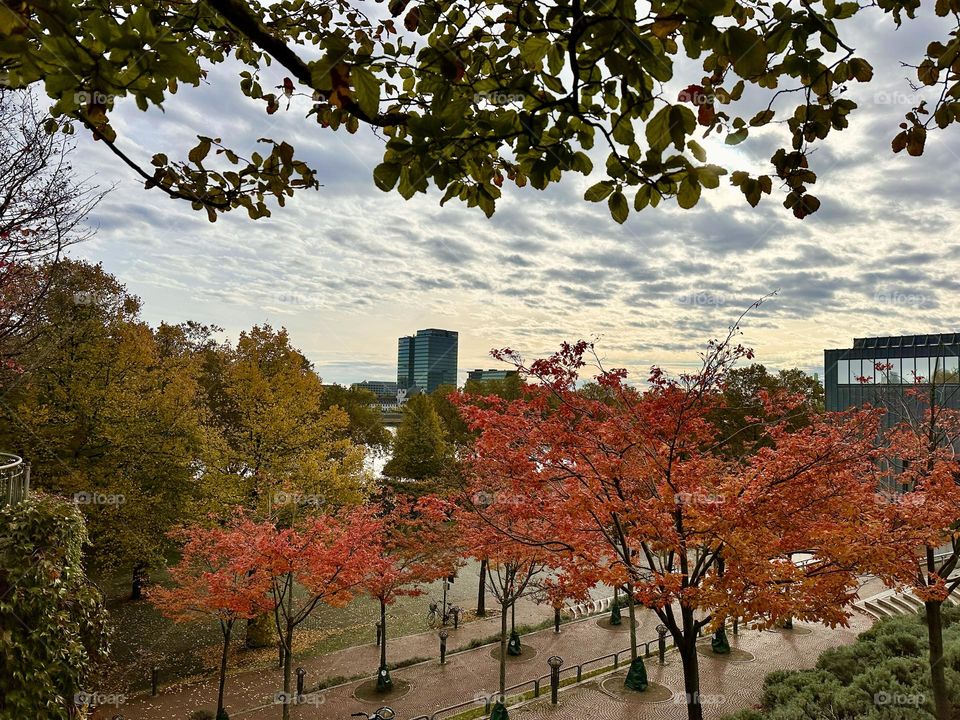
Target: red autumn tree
(636, 487)
(217, 578)
(488, 522)
(923, 537)
(414, 545)
(321, 559)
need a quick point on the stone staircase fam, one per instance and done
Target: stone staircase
(891, 603)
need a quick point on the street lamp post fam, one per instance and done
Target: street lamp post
(300, 675)
(662, 642)
(555, 662)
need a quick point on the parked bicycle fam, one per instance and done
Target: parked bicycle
(437, 617)
(383, 713)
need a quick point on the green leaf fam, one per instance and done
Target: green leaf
(735, 138)
(697, 149)
(534, 49)
(385, 175)
(618, 207)
(688, 194)
(762, 118)
(197, 154)
(366, 89)
(596, 193)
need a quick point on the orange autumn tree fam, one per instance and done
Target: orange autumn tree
(488, 521)
(920, 451)
(636, 489)
(414, 544)
(217, 578)
(320, 559)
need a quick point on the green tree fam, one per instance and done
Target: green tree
(107, 417)
(472, 95)
(363, 410)
(282, 445)
(53, 623)
(422, 456)
(750, 404)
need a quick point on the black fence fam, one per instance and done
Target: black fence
(535, 687)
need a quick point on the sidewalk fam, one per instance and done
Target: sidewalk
(473, 673)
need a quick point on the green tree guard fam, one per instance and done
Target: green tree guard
(513, 647)
(719, 643)
(636, 676)
(615, 613)
(788, 625)
(499, 712)
(384, 683)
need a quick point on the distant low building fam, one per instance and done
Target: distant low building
(479, 375)
(877, 370)
(385, 390)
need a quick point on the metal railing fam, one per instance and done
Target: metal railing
(539, 687)
(14, 479)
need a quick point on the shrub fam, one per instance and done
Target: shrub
(884, 675)
(202, 715)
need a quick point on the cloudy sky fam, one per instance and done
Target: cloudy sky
(347, 269)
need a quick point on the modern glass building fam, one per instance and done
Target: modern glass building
(427, 360)
(482, 375)
(877, 371)
(405, 362)
(385, 390)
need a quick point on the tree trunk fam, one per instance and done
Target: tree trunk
(287, 668)
(632, 610)
(482, 593)
(503, 653)
(938, 679)
(227, 629)
(691, 676)
(513, 616)
(138, 581)
(261, 631)
(383, 634)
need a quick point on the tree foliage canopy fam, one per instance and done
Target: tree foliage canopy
(472, 95)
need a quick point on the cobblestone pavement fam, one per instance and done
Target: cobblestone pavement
(725, 686)
(472, 674)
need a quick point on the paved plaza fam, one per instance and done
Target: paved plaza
(728, 684)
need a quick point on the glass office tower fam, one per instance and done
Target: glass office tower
(427, 360)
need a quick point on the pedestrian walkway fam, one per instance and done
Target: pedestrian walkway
(472, 673)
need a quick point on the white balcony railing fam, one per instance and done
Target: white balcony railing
(14, 479)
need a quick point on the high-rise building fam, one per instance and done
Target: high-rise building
(405, 362)
(427, 360)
